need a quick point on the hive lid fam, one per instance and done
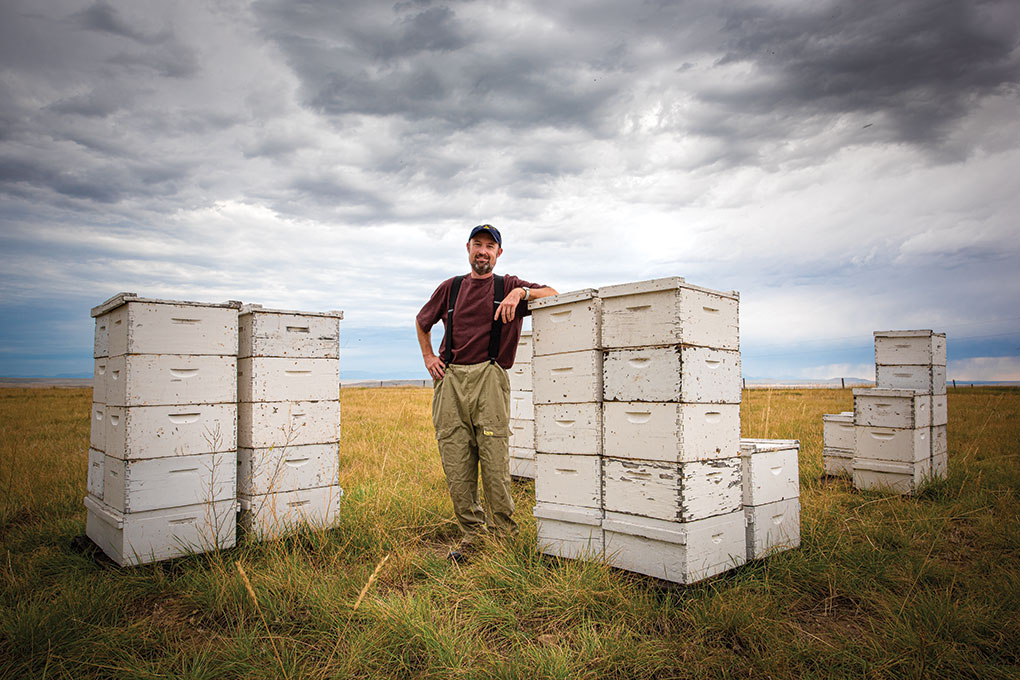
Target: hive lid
(923, 333)
(563, 298)
(252, 308)
(655, 285)
(124, 298)
(844, 417)
(751, 446)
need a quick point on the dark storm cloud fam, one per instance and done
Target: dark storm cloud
(102, 17)
(923, 63)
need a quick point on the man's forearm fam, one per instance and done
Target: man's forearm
(542, 292)
(425, 341)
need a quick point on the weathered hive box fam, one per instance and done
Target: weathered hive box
(522, 405)
(567, 479)
(672, 431)
(261, 425)
(939, 410)
(286, 379)
(522, 434)
(522, 466)
(128, 324)
(772, 527)
(893, 444)
(154, 535)
(288, 333)
(132, 486)
(99, 376)
(838, 462)
(676, 492)
(674, 373)
(668, 312)
(94, 479)
(170, 379)
(520, 377)
(282, 512)
(139, 432)
(568, 322)
(97, 427)
(568, 378)
(569, 428)
(681, 552)
(263, 471)
(883, 407)
(770, 470)
(525, 348)
(568, 531)
(939, 440)
(838, 431)
(920, 347)
(890, 476)
(922, 379)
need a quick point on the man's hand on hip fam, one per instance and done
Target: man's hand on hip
(435, 366)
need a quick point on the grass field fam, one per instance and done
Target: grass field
(882, 587)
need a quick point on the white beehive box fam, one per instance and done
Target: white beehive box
(131, 486)
(145, 326)
(518, 452)
(522, 405)
(138, 432)
(893, 444)
(94, 480)
(677, 492)
(522, 434)
(893, 477)
(838, 431)
(674, 373)
(921, 347)
(838, 462)
(287, 333)
(567, 479)
(772, 527)
(569, 428)
(522, 466)
(568, 531)
(667, 312)
(263, 471)
(261, 425)
(101, 346)
(672, 431)
(286, 379)
(940, 466)
(939, 440)
(97, 427)
(770, 470)
(568, 378)
(170, 379)
(525, 348)
(568, 322)
(883, 407)
(99, 376)
(520, 377)
(143, 537)
(922, 379)
(681, 552)
(939, 409)
(279, 513)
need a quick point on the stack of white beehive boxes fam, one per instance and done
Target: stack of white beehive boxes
(567, 367)
(900, 425)
(522, 412)
(288, 375)
(839, 439)
(771, 471)
(672, 468)
(163, 455)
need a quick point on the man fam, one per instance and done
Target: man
(471, 390)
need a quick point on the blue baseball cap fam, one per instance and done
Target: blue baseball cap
(488, 229)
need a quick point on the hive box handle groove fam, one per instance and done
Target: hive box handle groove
(183, 418)
(186, 322)
(183, 372)
(298, 329)
(639, 417)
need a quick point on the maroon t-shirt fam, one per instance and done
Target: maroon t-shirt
(473, 314)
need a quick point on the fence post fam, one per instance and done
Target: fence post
(954, 384)
(744, 380)
(842, 381)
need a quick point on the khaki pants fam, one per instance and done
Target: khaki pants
(471, 413)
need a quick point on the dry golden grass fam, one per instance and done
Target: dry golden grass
(883, 586)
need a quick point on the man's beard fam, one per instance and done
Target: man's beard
(481, 267)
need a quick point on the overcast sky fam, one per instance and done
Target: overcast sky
(846, 166)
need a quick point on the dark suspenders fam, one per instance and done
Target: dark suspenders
(495, 333)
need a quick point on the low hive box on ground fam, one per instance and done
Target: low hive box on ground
(918, 347)
(679, 552)
(568, 531)
(673, 373)
(668, 312)
(891, 476)
(568, 322)
(772, 527)
(671, 431)
(275, 514)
